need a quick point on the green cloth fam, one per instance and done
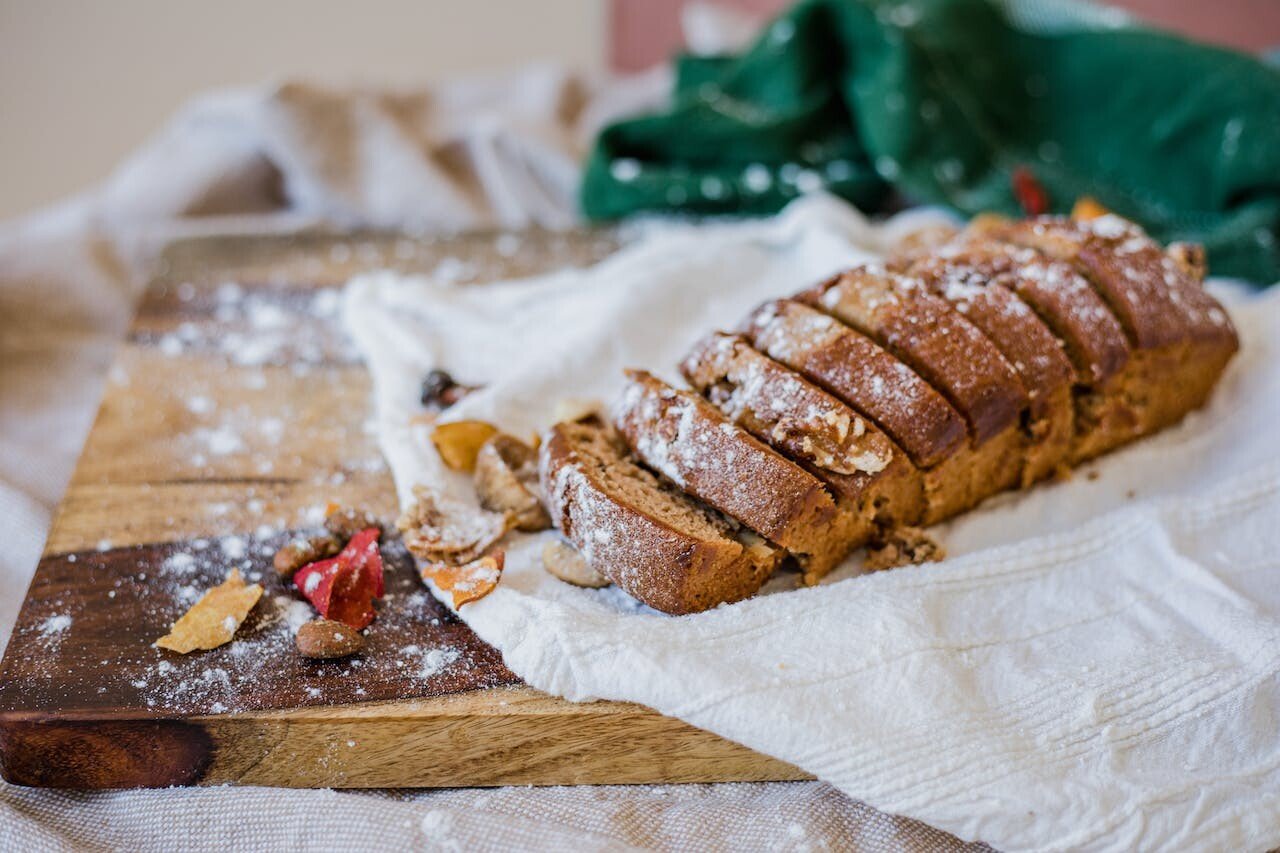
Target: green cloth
(945, 101)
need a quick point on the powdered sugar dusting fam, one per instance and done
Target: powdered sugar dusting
(862, 375)
(55, 624)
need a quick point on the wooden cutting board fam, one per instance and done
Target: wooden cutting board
(234, 412)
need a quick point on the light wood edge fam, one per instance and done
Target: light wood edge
(503, 736)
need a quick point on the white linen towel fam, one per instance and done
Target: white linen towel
(1094, 668)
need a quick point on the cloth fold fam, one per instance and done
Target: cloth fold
(979, 105)
(1106, 677)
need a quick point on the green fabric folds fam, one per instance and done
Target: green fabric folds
(956, 102)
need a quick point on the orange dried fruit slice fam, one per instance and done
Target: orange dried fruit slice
(1087, 208)
(470, 581)
(459, 442)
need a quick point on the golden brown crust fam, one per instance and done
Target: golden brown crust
(672, 567)
(859, 372)
(690, 442)
(873, 482)
(1091, 335)
(979, 290)
(935, 341)
(988, 363)
(1152, 295)
(782, 409)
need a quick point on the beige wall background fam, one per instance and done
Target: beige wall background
(83, 82)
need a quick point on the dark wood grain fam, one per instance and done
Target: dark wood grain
(118, 602)
(104, 753)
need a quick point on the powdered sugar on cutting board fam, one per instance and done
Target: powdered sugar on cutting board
(408, 648)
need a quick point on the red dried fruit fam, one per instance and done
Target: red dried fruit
(1029, 192)
(343, 588)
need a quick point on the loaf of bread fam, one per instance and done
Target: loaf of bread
(886, 397)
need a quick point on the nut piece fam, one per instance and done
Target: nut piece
(506, 474)
(564, 562)
(325, 639)
(458, 442)
(1191, 257)
(298, 552)
(902, 546)
(344, 522)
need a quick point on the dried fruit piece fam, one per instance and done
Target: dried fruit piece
(458, 442)
(564, 562)
(343, 588)
(506, 477)
(902, 546)
(1029, 192)
(469, 582)
(440, 390)
(449, 534)
(345, 522)
(214, 619)
(1087, 208)
(306, 549)
(324, 639)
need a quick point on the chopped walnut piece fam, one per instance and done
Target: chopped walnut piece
(506, 480)
(344, 522)
(306, 549)
(449, 534)
(1191, 258)
(902, 546)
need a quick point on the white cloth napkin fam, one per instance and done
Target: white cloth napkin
(1094, 668)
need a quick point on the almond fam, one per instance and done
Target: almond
(1191, 257)
(324, 639)
(562, 561)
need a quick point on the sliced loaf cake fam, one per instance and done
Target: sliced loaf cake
(653, 541)
(869, 476)
(690, 442)
(981, 292)
(1179, 338)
